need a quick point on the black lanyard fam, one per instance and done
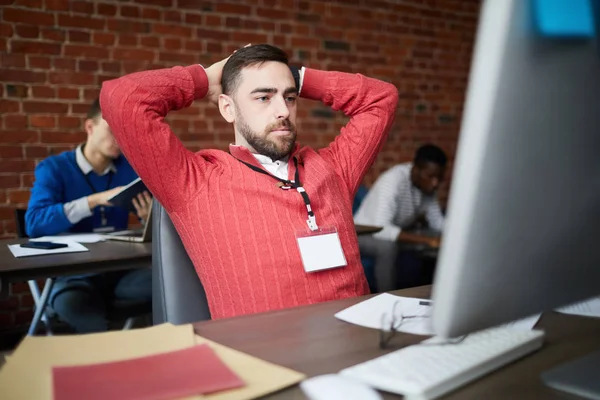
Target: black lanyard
(103, 219)
(286, 184)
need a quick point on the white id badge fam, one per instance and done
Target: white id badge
(320, 249)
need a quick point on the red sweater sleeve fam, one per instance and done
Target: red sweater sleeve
(134, 107)
(371, 105)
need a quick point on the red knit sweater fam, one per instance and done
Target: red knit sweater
(237, 225)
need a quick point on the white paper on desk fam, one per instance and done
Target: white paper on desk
(587, 308)
(79, 238)
(525, 323)
(19, 251)
(369, 313)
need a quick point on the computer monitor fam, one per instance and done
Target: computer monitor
(523, 221)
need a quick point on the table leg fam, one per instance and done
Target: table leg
(40, 304)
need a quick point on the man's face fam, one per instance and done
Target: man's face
(427, 176)
(265, 109)
(100, 137)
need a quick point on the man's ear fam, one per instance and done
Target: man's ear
(226, 107)
(88, 125)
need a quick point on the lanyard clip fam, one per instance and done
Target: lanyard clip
(283, 185)
(312, 223)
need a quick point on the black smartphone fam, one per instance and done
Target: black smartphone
(44, 245)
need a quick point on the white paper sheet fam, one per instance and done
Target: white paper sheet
(525, 323)
(19, 251)
(412, 315)
(587, 308)
(79, 238)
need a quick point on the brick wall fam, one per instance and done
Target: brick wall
(54, 55)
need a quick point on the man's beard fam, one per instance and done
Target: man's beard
(275, 148)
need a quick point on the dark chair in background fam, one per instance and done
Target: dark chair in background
(178, 296)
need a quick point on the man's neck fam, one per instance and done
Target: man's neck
(98, 160)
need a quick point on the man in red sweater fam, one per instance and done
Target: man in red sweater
(269, 224)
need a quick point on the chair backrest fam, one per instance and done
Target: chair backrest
(20, 222)
(178, 296)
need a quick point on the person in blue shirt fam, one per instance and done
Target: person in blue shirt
(70, 194)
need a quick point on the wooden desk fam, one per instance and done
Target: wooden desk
(102, 257)
(367, 229)
(311, 340)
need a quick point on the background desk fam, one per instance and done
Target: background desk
(366, 229)
(311, 340)
(101, 257)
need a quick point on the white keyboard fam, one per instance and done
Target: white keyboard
(427, 371)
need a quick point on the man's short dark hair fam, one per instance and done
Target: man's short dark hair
(94, 110)
(430, 153)
(246, 57)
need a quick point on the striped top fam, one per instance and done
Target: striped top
(394, 203)
(238, 227)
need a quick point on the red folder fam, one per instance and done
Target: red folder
(195, 370)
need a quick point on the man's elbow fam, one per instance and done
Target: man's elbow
(391, 95)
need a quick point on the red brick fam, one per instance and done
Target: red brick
(202, 33)
(64, 64)
(27, 31)
(193, 19)
(11, 303)
(228, 8)
(39, 62)
(88, 66)
(173, 30)
(57, 5)
(17, 90)
(61, 148)
(7, 106)
(33, 152)
(213, 20)
(55, 35)
(71, 78)
(12, 60)
(107, 9)
(161, 3)
(172, 16)
(111, 67)
(43, 92)
(130, 11)
(65, 122)
(14, 75)
(11, 152)
(79, 37)
(128, 40)
(45, 107)
(214, 47)
(79, 108)
(120, 25)
(23, 317)
(42, 121)
(133, 54)
(68, 93)
(244, 37)
(151, 13)
(172, 43)
(84, 7)
(102, 38)
(272, 14)
(86, 51)
(80, 22)
(24, 46)
(62, 137)
(91, 94)
(16, 166)
(150, 41)
(27, 180)
(29, 17)
(3, 46)
(6, 30)
(194, 45)
(179, 58)
(15, 121)
(305, 42)
(9, 182)
(26, 301)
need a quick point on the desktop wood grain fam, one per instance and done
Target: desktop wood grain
(311, 340)
(103, 256)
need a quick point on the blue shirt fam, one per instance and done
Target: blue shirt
(59, 180)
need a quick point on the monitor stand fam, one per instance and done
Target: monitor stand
(580, 377)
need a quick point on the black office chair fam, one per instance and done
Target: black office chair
(178, 296)
(119, 311)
